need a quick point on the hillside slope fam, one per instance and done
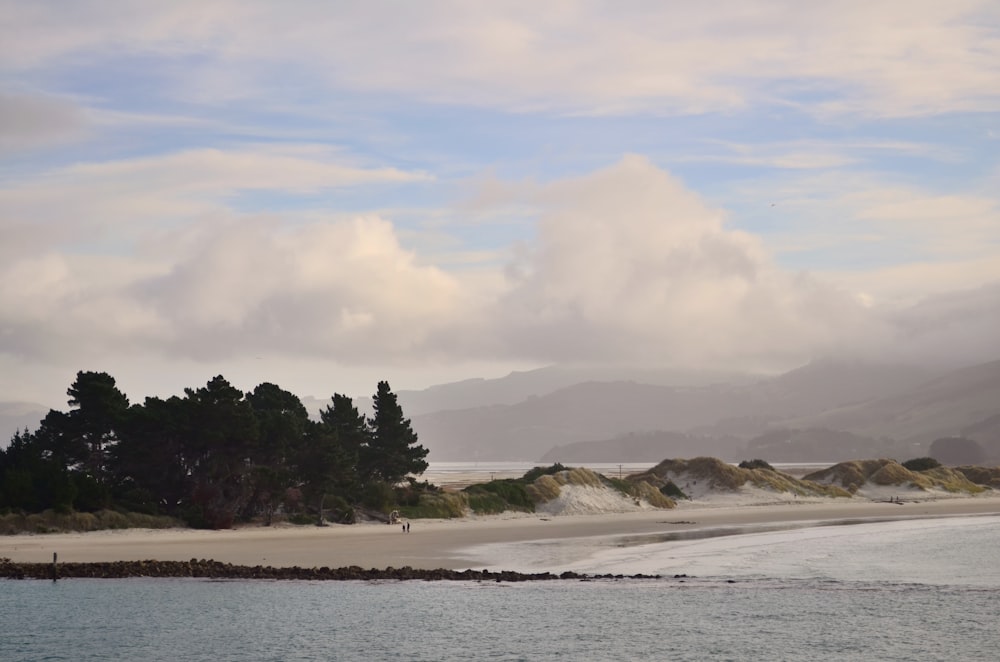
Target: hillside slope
(942, 407)
(601, 411)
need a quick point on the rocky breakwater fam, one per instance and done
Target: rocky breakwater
(208, 569)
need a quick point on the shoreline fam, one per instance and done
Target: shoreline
(449, 544)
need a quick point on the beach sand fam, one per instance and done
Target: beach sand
(445, 543)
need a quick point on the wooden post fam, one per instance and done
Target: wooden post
(55, 568)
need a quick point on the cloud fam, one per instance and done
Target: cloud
(119, 201)
(869, 222)
(957, 326)
(31, 121)
(881, 58)
(629, 265)
(812, 154)
(344, 289)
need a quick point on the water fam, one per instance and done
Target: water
(942, 551)
(915, 590)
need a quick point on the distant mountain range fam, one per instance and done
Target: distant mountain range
(826, 411)
(939, 407)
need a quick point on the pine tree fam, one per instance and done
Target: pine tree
(393, 451)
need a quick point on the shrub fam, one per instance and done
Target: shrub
(921, 464)
(671, 490)
(439, 505)
(54, 521)
(544, 488)
(379, 496)
(653, 496)
(111, 519)
(512, 493)
(755, 464)
(534, 474)
(625, 487)
(485, 503)
(339, 510)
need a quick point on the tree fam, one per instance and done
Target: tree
(83, 438)
(31, 479)
(218, 445)
(343, 419)
(392, 451)
(282, 423)
(325, 467)
(152, 467)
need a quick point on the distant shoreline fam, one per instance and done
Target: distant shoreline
(446, 544)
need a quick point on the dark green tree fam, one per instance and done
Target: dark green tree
(83, 438)
(392, 451)
(325, 468)
(326, 459)
(282, 423)
(100, 410)
(218, 446)
(354, 436)
(154, 472)
(31, 479)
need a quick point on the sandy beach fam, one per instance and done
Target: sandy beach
(446, 543)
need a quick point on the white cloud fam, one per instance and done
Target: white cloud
(630, 265)
(328, 289)
(897, 286)
(814, 154)
(116, 201)
(885, 58)
(957, 326)
(866, 222)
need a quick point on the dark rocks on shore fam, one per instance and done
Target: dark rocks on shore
(208, 569)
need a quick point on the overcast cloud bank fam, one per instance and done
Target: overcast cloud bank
(329, 196)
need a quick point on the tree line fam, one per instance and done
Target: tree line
(215, 456)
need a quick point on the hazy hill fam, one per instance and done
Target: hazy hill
(598, 411)
(941, 407)
(521, 385)
(821, 445)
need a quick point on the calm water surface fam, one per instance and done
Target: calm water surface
(815, 598)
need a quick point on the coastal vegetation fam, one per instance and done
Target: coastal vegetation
(217, 456)
(986, 476)
(51, 521)
(684, 476)
(536, 488)
(885, 472)
(214, 457)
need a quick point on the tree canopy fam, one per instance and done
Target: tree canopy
(211, 457)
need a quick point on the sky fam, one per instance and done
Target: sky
(328, 194)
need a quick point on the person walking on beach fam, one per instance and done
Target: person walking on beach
(407, 527)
